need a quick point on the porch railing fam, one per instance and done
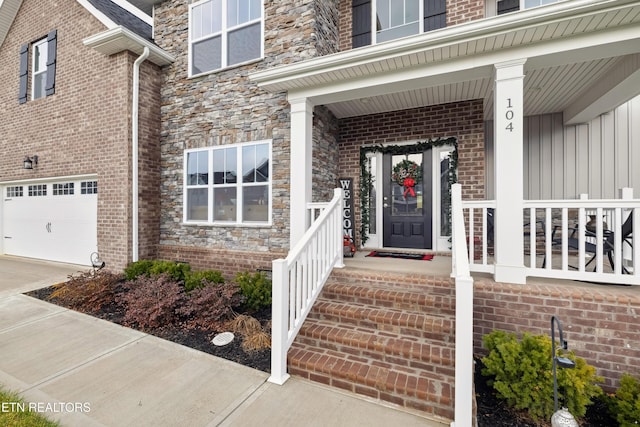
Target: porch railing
(299, 278)
(557, 244)
(463, 410)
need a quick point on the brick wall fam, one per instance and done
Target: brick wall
(229, 262)
(84, 128)
(461, 11)
(599, 322)
(461, 120)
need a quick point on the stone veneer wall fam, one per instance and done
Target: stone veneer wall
(326, 155)
(85, 127)
(223, 108)
(462, 120)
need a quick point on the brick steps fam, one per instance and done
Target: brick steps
(387, 337)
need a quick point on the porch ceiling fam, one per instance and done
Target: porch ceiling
(571, 47)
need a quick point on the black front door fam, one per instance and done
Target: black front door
(407, 197)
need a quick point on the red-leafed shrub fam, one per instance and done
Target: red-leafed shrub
(210, 306)
(152, 302)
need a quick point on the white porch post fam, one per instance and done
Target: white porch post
(301, 167)
(508, 151)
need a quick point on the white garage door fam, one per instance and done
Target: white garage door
(55, 221)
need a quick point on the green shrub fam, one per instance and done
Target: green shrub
(176, 270)
(625, 405)
(522, 375)
(138, 268)
(256, 288)
(200, 279)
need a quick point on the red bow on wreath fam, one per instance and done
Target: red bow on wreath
(408, 184)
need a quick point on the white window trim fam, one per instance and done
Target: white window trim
(224, 35)
(40, 44)
(238, 185)
(374, 16)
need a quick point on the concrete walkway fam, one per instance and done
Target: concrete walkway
(85, 371)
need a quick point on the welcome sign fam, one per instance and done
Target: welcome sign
(347, 207)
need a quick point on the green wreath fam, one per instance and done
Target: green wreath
(406, 169)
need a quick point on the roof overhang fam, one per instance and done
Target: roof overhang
(119, 39)
(461, 57)
(8, 12)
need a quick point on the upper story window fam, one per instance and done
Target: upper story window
(229, 184)
(42, 79)
(223, 33)
(397, 18)
(39, 67)
(393, 19)
(506, 6)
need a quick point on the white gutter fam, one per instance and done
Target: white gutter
(134, 149)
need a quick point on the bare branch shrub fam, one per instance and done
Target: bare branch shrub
(87, 291)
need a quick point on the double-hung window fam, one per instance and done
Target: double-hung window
(229, 184)
(223, 33)
(39, 67)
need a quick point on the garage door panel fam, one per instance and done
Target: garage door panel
(53, 227)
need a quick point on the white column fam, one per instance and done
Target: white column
(301, 167)
(508, 150)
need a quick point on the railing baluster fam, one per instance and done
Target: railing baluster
(565, 239)
(532, 238)
(472, 245)
(548, 244)
(581, 237)
(599, 240)
(617, 244)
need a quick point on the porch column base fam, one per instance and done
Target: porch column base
(510, 274)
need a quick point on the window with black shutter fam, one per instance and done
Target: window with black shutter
(41, 79)
(506, 6)
(435, 14)
(394, 19)
(361, 23)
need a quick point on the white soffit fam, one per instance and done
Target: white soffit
(550, 37)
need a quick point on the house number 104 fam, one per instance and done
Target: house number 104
(509, 116)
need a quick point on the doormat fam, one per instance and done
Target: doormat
(420, 257)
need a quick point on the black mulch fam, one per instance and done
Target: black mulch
(194, 338)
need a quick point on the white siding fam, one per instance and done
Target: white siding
(562, 162)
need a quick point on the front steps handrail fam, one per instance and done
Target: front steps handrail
(463, 404)
(299, 278)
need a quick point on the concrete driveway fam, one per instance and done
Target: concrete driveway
(18, 275)
(84, 371)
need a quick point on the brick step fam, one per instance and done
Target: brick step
(423, 283)
(406, 353)
(393, 297)
(418, 390)
(406, 323)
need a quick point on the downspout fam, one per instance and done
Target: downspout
(134, 149)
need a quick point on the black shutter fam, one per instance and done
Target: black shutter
(506, 6)
(435, 14)
(361, 23)
(24, 73)
(52, 44)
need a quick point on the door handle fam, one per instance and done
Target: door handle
(385, 205)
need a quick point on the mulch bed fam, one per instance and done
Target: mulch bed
(492, 412)
(195, 338)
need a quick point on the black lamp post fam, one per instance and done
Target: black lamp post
(562, 417)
